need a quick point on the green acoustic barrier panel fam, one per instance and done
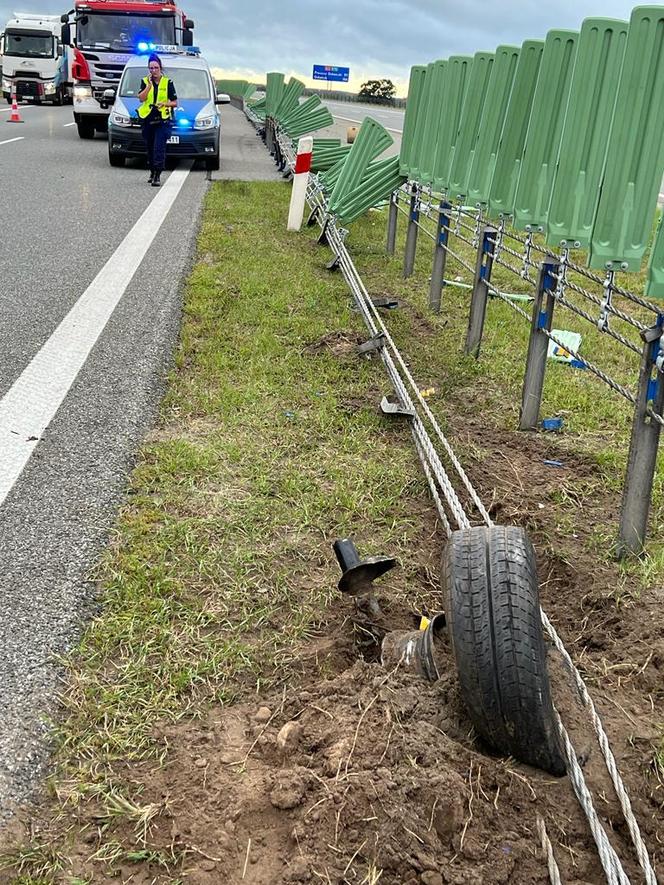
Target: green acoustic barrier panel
(290, 98)
(420, 123)
(330, 177)
(458, 72)
(372, 191)
(416, 84)
(316, 121)
(513, 138)
(533, 193)
(655, 281)
(469, 126)
(430, 119)
(493, 119)
(273, 91)
(372, 139)
(635, 156)
(320, 162)
(307, 117)
(584, 144)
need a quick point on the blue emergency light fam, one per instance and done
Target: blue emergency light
(167, 49)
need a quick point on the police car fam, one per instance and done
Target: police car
(196, 126)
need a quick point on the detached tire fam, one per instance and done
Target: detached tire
(489, 579)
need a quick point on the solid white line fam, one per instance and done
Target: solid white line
(10, 140)
(67, 125)
(30, 405)
(351, 120)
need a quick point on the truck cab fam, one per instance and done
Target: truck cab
(104, 35)
(35, 62)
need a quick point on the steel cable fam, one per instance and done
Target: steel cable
(608, 857)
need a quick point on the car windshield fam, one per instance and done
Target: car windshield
(36, 45)
(190, 83)
(124, 31)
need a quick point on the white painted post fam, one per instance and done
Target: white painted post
(301, 171)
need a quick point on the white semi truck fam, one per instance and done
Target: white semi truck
(36, 65)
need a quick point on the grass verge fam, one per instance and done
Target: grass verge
(269, 446)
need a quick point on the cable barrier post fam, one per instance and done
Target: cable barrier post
(644, 443)
(538, 345)
(392, 223)
(439, 256)
(483, 268)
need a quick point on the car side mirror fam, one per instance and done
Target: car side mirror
(60, 50)
(66, 33)
(223, 98)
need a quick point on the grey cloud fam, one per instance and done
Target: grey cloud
(382, 38)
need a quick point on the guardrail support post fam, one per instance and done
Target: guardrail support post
(392, 223)
(538, 345)
(643, 447)
(411, 234)
(269, 134)
(480, 294)
(440, 256)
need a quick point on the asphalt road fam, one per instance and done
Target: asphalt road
(353, 112)
(348, 114)
(91, 273)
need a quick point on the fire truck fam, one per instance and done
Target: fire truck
(104, 34)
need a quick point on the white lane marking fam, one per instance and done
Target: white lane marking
(30, 404)
(10, 140)
(351, 120)
(67, 125)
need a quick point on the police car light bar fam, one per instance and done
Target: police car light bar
(167, 49)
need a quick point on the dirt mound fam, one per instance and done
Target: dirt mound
(369, 776)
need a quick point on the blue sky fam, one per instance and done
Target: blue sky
(375, 38)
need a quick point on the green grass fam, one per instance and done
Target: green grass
(220, 567)
(267, 449)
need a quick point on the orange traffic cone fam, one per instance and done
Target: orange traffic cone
(15, 116)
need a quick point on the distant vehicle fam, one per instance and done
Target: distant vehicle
(196, 125)
(35, 63)
(105, 34)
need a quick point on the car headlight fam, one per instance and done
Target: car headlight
(82, 92)
(120, 119)
(6, 85)
(49, 88)
(206, 122)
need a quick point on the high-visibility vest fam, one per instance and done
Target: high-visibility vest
(162, 95)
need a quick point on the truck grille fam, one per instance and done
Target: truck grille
(106, 71)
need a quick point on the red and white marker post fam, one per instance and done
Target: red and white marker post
(305, 148)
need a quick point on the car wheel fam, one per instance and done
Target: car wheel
(212, 164)
(85, 129)
(116, 160)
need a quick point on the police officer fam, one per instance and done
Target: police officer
(158, 98)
